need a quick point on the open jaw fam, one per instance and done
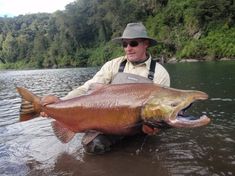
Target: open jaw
(183, 120)
(180, 120)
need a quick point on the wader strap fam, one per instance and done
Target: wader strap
(122, 66)
(151, 70)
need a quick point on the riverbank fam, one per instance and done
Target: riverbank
(175, 60)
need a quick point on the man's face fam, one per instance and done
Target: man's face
(135, 49)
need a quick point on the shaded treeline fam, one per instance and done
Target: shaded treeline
(81, 34)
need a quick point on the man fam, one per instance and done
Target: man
(136, 66)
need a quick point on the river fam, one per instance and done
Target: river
(31, 148)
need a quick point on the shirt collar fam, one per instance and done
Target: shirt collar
(146, 63)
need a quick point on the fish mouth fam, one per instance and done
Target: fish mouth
(182, 113)
(181, 120)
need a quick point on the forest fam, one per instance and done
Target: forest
(81, 35)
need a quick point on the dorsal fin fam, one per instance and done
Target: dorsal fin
(94, 87)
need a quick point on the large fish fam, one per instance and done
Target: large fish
(116, 109)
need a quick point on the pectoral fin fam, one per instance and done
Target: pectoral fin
(61, 132)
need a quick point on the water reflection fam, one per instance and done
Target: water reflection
(31, 148)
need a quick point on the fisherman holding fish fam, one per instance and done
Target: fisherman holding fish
(137, 66)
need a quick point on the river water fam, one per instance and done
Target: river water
(30, 148)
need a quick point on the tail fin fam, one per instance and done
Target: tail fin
(30, 105)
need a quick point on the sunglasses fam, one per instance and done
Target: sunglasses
(132, 43)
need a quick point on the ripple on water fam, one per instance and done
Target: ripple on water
(32, 144)
(222, 99)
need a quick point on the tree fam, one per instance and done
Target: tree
(9, 48)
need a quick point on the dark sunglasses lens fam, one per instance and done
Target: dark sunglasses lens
(131, 43)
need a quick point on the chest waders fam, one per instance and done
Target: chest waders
(121, 77)
(97, 143)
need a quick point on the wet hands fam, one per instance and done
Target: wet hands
(49, 99)
(150, 130)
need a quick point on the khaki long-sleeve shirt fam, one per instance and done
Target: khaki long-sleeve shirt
(106, 74)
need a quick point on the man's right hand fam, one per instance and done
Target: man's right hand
(49, 99)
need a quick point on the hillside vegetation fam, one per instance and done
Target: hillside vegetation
(81, 35)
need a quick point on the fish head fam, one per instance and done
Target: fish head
(166, 105)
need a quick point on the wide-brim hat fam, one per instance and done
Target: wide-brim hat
(134, 31)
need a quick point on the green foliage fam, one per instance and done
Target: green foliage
(81, 35)
(193, 49)
(220, 43)
(103, 53)
(217, 44)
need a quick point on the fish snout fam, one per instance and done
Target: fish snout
(199, 95)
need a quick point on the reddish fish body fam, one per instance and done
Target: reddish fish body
(118, 109)
(111, 109)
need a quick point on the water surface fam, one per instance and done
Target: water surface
(30, 148)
